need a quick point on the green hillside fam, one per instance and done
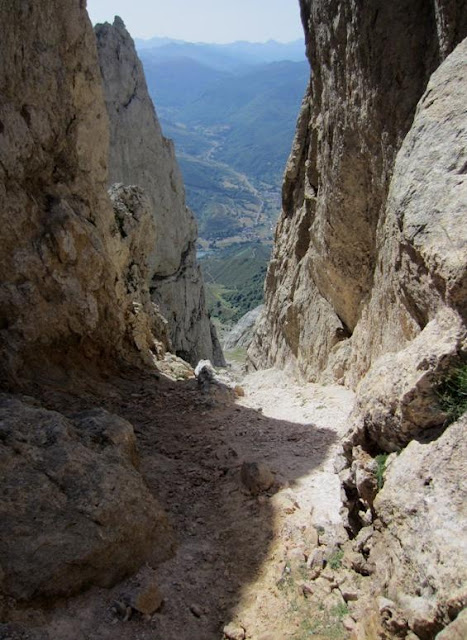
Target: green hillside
(234, 279)
(224, 201)
(245, 120)
(255, 114)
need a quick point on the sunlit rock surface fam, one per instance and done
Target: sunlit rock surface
(139, 154)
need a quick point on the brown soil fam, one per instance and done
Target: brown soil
(240, 559)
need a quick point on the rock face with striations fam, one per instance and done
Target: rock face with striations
(140, 155)
(363, 260)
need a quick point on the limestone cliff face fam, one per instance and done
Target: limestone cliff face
(420, 290)
(65, 294)
(57, 285)
(140, 155)
(337, 297)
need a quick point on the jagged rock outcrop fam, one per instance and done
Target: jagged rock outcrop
(397, 400)
(241, 334)
(416, 545)
(356, 273)
(134, 233)
(420, 556)
(140, 155)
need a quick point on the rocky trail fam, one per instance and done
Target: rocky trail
(241, 557)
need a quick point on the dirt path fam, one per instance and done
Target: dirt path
(241, 559)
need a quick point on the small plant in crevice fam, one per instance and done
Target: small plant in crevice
(380, 467)
(452, 393)
(335, 559)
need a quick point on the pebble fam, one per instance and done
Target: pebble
(307, 589)
(234, 632)
(196, 610)
(348, 623)
(256, 477)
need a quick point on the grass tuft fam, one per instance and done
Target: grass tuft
(335, 560)
(381, 466)
(452, 394)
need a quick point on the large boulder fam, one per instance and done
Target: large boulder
(398, 399)
(419, 549)
(74, 511)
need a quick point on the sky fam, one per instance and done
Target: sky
(204, 20)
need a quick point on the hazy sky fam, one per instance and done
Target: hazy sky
(204, 20)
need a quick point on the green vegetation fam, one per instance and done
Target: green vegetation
(259, 111)
(324, 624)
(234, 278)
(237, 355)
(452, 393)
(340, 611)
(381, 466)
(224, 202)
(313, 618)
(335, 560)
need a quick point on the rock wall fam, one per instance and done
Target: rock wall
(57, 283)
(75, 302)
(413, 523)
(65, 296)
(343, 284)
(139, 154)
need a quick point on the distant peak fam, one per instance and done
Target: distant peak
(118, 22)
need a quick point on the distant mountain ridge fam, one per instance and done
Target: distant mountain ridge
(229, 57)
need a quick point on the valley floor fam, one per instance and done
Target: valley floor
(242, 561)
